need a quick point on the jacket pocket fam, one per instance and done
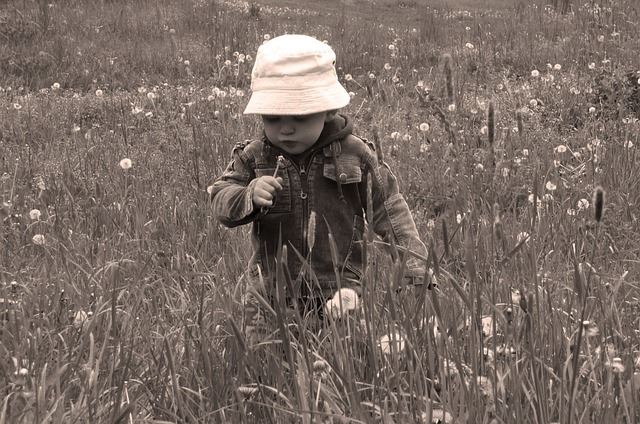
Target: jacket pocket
(282, 202)
(349, 170)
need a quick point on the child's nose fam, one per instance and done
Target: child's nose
(287, 128)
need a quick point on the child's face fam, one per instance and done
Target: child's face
(294, 133)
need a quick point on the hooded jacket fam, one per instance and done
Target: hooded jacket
(326, 185)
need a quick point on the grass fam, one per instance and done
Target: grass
(121, 297)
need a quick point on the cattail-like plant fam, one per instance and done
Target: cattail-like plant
(491, 124)
(447, 62)
(598, 203)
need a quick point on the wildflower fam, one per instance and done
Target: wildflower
(533, 103)
(582, 204)
(387, 67)
(227, 62)
(55, 86)
(247, 391)
(424, 147)
(600, 38)
(592, 109)
(210, 97)
(372, 76)
(516, 296)
(149, 114)
(424, 127)
(592, 65)
(35, 214)
(459, 218)
(239, 92)
(469, 46)
(550, 186)
(628, 144)
(525, 152)
(391, 342)
(406, 137)
(151, 95)
(590, 328)
(392, 47)
(451, 107)
(17, 106)
(571, 212)
(79, 319)
(38, 239)
(479, 167)
(266, 37)
(557, 67)
(395, 135)
(352, 94)
(136, 110)
(99, 93)
(535, 73)
(484, 130)
(125, 163)
(561, 148)
(320, 366)
(343, 301)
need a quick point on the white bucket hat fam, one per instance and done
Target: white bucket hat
(295, 75)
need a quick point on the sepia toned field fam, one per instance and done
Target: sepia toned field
(513, 129)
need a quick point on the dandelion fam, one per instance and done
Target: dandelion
(79, 319)
(352, 94)
(525, 152)
(17, 106)
(479, 167)
(406, 137)
(592, 65)
(266, 37)
(55, 86)
(451, 107)
(571, 212)
(560, 148)
(387, 66)
(590, 328)
(522, 236)
(35, 214)
(211, 97)
(533, 103)
(516, 296)
(348, 77)
(557, 67)
(342, 302)
(247, 391)
(149, 114)
(320, 366)
(550, 186)
(582, 204)
(600, 38)
(424, 127)
(136, 110)
(469, 46)
(459, 218)
(227, 62)
(99, 93)
(395, 135)
(38, 239)
(372, 76)
(126, 163)
(391, 342)
(535, 73)
(392, 47)
(592, 110)
(151, 95)
(628, 144)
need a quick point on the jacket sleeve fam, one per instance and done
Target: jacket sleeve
(392, 219)
(232, 192)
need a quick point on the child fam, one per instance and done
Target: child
(308, 166)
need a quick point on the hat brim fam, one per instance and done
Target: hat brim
(297, 101)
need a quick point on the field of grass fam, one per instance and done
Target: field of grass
(513, 130)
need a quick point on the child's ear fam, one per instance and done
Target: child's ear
(330, 115)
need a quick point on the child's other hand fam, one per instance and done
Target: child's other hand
(265, 190)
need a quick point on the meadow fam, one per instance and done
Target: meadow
(513, 128)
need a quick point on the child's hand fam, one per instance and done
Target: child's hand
(265, 190)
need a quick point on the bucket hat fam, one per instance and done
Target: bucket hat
(295, 74)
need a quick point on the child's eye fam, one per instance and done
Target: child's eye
(300, 118)
(271, 118)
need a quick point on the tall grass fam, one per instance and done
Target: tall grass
(122, 298)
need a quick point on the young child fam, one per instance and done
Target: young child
(309, 167)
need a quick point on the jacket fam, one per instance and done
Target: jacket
(329, 181)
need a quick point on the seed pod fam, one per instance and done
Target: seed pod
(598, 203)
(491, 123)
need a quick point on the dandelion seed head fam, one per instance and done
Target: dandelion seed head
(35, 214)
(535, 73)
(38, 240)
(125, 163)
